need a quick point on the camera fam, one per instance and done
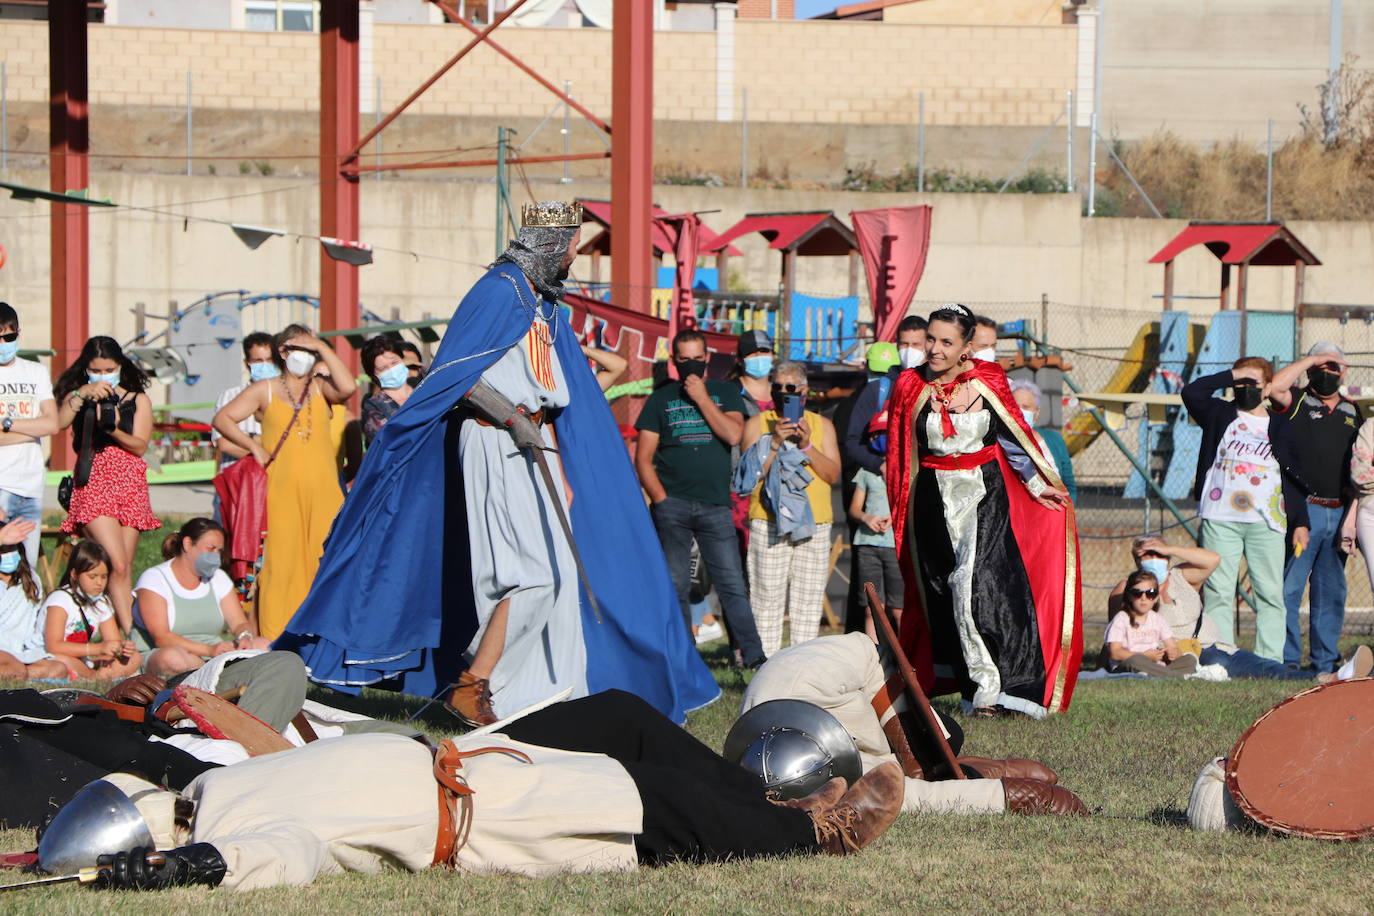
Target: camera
(107, 412)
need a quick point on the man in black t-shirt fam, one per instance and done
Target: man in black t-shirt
(686, 431)
(1325, 423)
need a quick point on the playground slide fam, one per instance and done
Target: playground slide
(1132, 375)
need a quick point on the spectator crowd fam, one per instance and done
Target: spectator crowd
(744, 476)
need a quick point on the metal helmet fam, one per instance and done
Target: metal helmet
(99, 819)
(794, 747)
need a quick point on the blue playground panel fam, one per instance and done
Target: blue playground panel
(706, 278)
(1173, 362)
(822, 327)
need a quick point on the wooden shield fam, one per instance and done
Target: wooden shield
(1303, 767)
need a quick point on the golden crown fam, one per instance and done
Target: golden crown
(557, 213)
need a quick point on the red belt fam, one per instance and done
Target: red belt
(1327, 503)
(960, 462)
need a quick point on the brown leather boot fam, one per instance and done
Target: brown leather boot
(1016, 767)
(819, 801)
(901, 746)
(470, 701)
(1031, 796)
(863, 814)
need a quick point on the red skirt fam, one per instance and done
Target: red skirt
(117, 489)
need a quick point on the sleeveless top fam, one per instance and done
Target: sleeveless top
(124, 421)
(197, 619)
(818, 492)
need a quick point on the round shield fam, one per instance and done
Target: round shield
(796, 743)
(1301, 768)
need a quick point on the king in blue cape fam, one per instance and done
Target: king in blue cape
(448, 552)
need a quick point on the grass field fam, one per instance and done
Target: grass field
(1131, 749)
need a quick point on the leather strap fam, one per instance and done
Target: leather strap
(295, 412)
(538, 417)
(1324, 502)
(960, 462)
(304, 728)
(455, 801)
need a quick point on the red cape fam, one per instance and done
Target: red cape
(1048, 540)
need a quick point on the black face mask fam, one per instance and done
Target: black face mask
(1247, 397)
(686, 367)
(1323, 382)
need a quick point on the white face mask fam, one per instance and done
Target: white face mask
(911, 357)
(1030, 417)
(299, 364)
(1155, 566)
(987, 353)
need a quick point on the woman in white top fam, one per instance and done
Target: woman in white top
(22, 655)
(77, 623)
(188, 604)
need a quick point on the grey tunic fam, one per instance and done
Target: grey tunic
(518, 547)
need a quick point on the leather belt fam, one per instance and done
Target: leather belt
(960, 462)
(538, 417)
(1326, 503)
(455, 798)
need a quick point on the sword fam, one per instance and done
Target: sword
(500, 411)
(85, 875)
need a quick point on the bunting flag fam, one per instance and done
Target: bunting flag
(894, 242)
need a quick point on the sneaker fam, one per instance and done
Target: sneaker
(709, 632)
(1361, 663)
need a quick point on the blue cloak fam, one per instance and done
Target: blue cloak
(393, 595)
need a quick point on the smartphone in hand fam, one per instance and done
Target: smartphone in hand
(792, 407)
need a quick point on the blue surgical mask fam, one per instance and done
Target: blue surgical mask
(9, 562)
(758, 366)
(1157, 567)
(394, 377)
(111, 378)
(261, 372)
(8, 351)
(89, 597)
(207, 564)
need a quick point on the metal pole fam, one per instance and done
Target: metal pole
(189, 129)
(567, 133)
(1333, 66)
(377, 113)
(920, 141)
(1092, 162)
(500, 190)
(1069, 143)
(1269, 173)
(4, 118)
(744, 138)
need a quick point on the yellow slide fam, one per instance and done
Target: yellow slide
(1131, 376)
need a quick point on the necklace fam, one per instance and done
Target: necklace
(946, 421)
(305, 425)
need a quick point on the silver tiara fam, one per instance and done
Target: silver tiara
(957, 308)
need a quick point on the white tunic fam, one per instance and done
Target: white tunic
(368, 802)
(842, 675)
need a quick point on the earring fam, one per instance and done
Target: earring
(963, 357)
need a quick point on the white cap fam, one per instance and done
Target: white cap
(1325, 346)
(1210, 806)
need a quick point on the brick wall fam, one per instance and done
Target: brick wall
(763, 9)
(804, 72)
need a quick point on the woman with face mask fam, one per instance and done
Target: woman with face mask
(188, 610)
(300, 453)
(101, 397)
(1029, 397)
(22, 655)
(1248, 494)
(384, 362)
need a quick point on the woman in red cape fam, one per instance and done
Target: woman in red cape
(985, 533)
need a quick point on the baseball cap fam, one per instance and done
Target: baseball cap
(882, 356)
(753, 341)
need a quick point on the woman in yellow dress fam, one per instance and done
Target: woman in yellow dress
(300, 454)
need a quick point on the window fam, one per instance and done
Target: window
(281, 15)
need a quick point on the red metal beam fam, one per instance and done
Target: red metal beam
(525, 160)
(396, 112)
(453, 16)
(632, 152)
(338, 192)
(69, 131)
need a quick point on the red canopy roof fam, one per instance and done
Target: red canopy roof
(1266, 244)
(599, 211)
(819, 233)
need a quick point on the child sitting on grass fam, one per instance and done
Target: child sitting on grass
(1139, 639)
(875, 551)
(78, 621)
(22, 656)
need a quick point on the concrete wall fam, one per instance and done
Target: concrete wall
(1000, 253)
(796, 72)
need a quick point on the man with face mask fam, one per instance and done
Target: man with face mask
(28, 412)
(1326, 423)
(686, 431)
(858, 450)
(491, 610)
(984, 338)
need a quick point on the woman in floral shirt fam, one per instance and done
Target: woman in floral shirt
(384, 362)
(1246, 491)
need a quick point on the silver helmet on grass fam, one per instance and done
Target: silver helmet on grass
(794, 747)
(109, 815)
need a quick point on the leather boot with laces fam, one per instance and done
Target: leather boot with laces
(470, 701)
(863, 813)
(823, 799)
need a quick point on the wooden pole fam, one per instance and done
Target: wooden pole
(1168, 286)
(1225, 286)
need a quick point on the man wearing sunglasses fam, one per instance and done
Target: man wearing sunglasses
(27, 414)
(1326, 423)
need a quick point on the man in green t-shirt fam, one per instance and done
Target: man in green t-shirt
(686, 431)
